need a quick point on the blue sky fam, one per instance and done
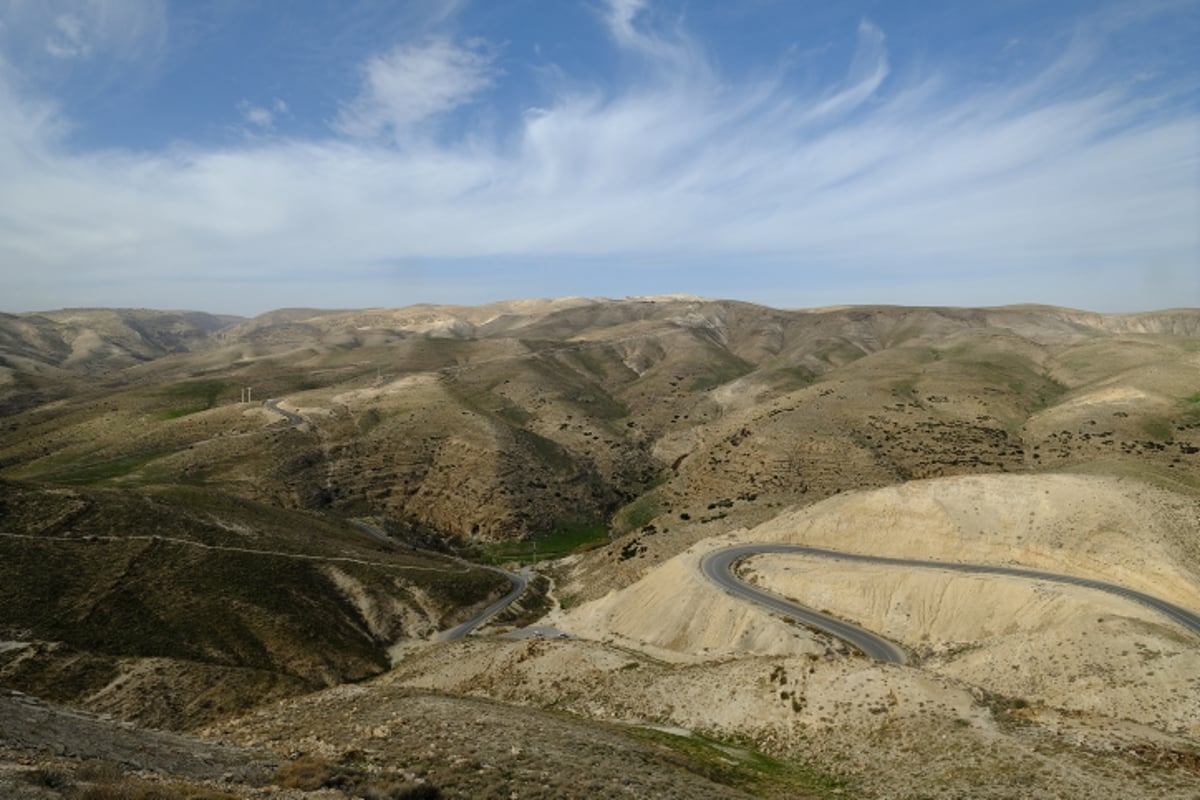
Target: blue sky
(238, 156)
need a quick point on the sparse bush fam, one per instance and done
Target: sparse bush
(420, 792)
(98, 771)
(632, 549)
(49, 778)
(105, 792)
(139, 790)
(309, 774)
(398, 790)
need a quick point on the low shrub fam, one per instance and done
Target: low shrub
(49, 778)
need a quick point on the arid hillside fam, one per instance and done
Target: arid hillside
(254, 530)
(50, 355)
(174, 606)
(531, 418)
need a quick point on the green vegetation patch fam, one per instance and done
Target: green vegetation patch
(839, 351)
(722, 368)
(566, 538)
(1192, 398)
(792, 377)
(637, 514)
(194, 396)
(109, 470)
(512, 413)
(1158, 429)
(590, 362)
(742, 767)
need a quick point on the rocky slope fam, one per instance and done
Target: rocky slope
(175, 553)
(174, 607)
(1015, 688)
(526, 418)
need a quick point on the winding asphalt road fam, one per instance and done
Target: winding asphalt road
(519, 582)
(718, 567)
(374, 533)
(294, 419)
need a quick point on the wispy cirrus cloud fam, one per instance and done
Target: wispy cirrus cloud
(68, 41)
(80, 30)
(868, 70)
(413, 84)
(872, 187)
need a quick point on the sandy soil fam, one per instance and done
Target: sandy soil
(1073, 524)
(1017, 688)
(1065, 647)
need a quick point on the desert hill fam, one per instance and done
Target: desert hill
(48, 355)
(531, 417)
(176, 550)
(174, 606)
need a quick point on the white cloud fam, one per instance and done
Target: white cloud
(256, 115)
(413, 84)
(620, 18)
(262, 117)
(677, 55)
(68, 41)
(29, 128)
(867, 73)
(923, 185)
(82, 30)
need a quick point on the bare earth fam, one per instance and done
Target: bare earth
(1007, 668)
(178, 557)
